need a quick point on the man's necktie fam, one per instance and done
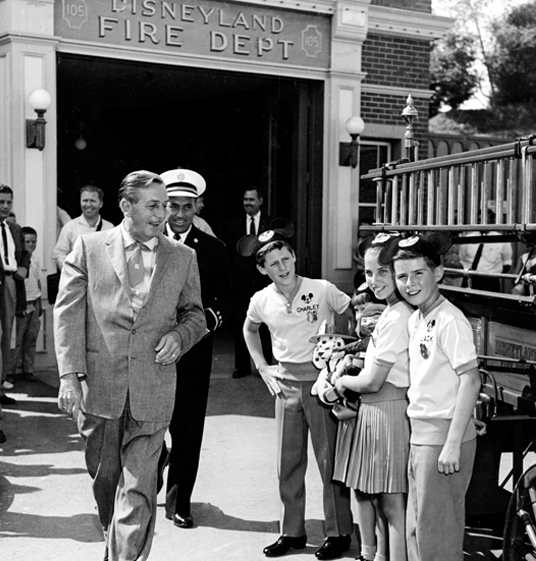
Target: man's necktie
(252, 227)
(4, 241)
(136, 270)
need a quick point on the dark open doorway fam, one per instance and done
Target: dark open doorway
(237, 130)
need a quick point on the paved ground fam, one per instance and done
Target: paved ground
(47, 511)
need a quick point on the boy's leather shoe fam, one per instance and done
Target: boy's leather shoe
(2, 437)
(284, 544)
(334, 547)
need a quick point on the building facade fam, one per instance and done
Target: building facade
(247, 93)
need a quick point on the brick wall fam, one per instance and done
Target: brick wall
(387, 109)
(413, 5)
(396, 61)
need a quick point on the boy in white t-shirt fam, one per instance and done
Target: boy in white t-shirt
(444, 386)
(293, 308)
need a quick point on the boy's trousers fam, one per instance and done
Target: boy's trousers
(436, 504)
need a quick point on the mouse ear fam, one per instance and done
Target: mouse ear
(441, 241)
(364, 245)
(283, 226)
(246, 245)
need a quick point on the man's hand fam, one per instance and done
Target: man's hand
(168, 349)
(270, 376)
(70, 395)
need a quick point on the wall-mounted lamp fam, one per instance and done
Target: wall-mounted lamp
(349, 151)
(80, 143)
(410, 115)
(39, 100)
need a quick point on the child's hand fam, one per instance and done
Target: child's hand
(270, 375)
(449, 459)
(481, 427)
(340, 384)
(341, 367)
(321, 384)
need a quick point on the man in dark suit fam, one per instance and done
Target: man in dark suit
(245, 277)
(193, 369)
(15, 264)
(128, 307)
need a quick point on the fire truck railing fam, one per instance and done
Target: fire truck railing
(456, 192)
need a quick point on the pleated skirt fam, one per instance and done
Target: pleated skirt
(378, 457)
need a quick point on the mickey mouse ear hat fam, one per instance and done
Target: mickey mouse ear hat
(384, 241)
(432, 246)
(280, 229)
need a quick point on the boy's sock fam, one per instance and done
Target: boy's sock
(368, 552)
(380, 557)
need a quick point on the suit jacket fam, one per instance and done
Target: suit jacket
(245, 276)
(214, 274)
(22, 257)
(96, 333)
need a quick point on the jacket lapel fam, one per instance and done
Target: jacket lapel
(116, 253)
(162, 260)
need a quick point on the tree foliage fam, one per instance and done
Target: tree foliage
(453, 78)
(514, 66)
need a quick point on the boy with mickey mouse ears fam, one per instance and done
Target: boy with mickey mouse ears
(444, 385)
(293, 307)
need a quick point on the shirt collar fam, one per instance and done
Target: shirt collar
(129, 241)
(172, 234)
(82, 218)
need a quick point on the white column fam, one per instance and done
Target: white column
(343, 99)
(27, 62)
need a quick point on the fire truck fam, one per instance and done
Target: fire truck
(453, 194)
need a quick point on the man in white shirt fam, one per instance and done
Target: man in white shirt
(91, 201)
(492, 258)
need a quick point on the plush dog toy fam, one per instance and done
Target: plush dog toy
(329, 350)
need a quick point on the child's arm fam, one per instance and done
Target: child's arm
(449, 459)
(253, 342)
(368, 381)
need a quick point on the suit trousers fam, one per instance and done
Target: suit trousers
(121, 457)
(7, 316)
(298, 412)
(436, 504)
(187, 425)
(27, 327)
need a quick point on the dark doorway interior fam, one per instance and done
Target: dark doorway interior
(237, 130)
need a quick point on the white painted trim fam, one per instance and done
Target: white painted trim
(119, 52)
(418, 25)
(318, 6)
(392, 90)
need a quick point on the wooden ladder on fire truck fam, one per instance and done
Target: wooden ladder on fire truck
(453, 193)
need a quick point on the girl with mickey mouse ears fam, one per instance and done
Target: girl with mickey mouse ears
(379, 451)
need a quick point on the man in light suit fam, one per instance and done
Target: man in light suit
(129, 305)
(193, 369)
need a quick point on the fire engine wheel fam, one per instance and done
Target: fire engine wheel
(519, 537)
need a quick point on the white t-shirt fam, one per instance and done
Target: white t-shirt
(441, 348)
(388, 345)
(292, 326)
